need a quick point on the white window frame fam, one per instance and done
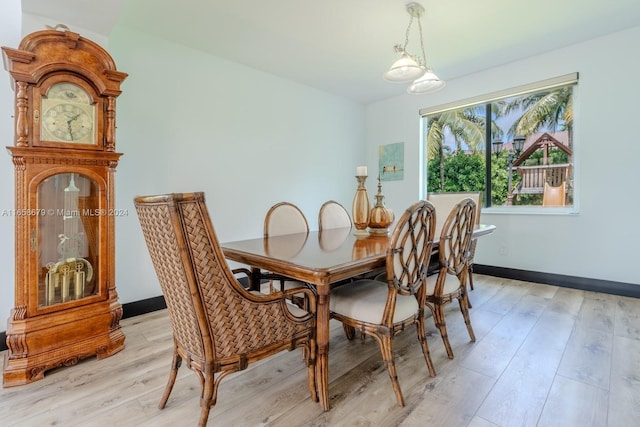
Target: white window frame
(547, 84)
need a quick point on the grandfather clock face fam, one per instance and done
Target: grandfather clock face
(68, 115)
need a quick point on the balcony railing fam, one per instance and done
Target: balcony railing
(532, 178)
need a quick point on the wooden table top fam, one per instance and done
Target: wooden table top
(317, 257)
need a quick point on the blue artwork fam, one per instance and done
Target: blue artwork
(391, 161)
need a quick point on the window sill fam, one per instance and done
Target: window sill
(530, 210)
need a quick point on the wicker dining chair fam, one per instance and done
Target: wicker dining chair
(333, 215)
(382, 310)
(454, 250)
(218, 326)
(285, 218)
(281, 219)
(444, 202)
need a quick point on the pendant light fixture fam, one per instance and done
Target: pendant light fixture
(429, 82)
(413, 68)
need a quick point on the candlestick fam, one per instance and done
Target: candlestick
(360, 210)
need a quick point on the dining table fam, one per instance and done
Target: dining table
(320, 259)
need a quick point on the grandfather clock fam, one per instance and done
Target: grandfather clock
(66, 304)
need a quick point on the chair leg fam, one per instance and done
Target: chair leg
(208, 398)
(386, 347)
(313, 386)
(463, 300)
(470, 271)
(438, 317)
(422, 337)
(175, 365)
(349, 331)
(309, 356)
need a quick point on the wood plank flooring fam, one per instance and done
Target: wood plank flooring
(544, 356)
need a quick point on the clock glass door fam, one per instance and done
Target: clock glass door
(67, 238)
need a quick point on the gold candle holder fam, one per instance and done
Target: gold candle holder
(360, 210)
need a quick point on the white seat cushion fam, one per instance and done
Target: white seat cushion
(451, 284)
(382, 277)
(334, 215)
(365, 300)
(296, 311)
(274, 285)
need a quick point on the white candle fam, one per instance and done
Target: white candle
(361, 171)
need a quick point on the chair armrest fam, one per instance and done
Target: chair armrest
(245, 280)
(264, 275)
(283, 297)
(244, 271)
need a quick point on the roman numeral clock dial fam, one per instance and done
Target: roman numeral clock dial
(68, 115)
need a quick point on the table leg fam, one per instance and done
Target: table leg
(322, 338)
(254, 280)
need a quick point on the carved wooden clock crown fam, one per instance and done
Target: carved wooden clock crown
(50, 57)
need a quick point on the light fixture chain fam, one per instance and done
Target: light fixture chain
(424, 55)
(406, 36)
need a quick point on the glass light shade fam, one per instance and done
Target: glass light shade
(404, 70)
(518, 143)
(429, 82)
(496, 147)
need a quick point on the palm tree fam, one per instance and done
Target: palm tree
(464, 125)
(544, 110)
(467, 126)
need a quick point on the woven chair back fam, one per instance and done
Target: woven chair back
(446, 201)
(455, 237)
(410, 248)
(333, 215)
(285, 218)
(160, 220)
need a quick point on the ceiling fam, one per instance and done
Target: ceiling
(344, 46)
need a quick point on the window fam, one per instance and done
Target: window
(516, 146)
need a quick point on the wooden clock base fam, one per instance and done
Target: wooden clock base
(36, 345)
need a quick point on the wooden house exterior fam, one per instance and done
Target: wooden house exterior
(532, 178)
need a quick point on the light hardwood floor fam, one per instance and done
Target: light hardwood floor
(544, 355)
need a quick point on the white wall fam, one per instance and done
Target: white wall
(601, 241)
(31, 23)
(9, 36)
(187, 121)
